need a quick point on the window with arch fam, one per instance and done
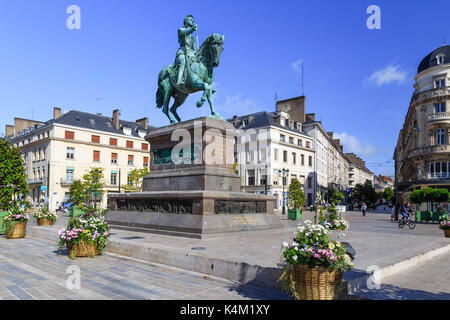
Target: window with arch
(440, 58)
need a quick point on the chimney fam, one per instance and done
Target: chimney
(342, 148)
(116, 119)
(56, 113)
(331, 135)
(143, 122)
(310, 117)
(235, 120)
(9, 130)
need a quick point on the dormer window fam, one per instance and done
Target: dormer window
(245, 123)
(440, 58)
(126, 130)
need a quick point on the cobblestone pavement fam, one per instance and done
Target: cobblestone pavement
(427, 281)
(31, 269)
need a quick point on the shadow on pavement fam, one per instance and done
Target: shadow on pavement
(392, 292)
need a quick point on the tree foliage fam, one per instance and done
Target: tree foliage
(135, 178)
(388, 194)
(336, 197)
(365, 192)
(13, 177)
(296, 197)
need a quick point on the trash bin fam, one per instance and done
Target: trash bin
(3, 214)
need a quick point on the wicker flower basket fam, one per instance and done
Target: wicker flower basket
(342, 228)
(82, 249)
(17, 231)
(318, 283)
(447, 233)
(45, 222)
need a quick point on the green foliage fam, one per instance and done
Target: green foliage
(428, 194)
(440, 195)
(388, 194)
(416, 197)
(13, 178)
(295, 194)
(367, 190)
(135, 178)
(336, 197)
(77, 193)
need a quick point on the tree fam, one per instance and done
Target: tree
(296, 197)
(135, 178)
(416, 196)
(77, 193)
(365, 192)
(13, 178)
(337, 196)
(388, 193)
(93, 184)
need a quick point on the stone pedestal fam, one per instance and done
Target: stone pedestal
(192, 190)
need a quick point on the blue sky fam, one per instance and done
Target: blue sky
(357, 81)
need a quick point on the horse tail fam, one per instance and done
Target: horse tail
(164, 74)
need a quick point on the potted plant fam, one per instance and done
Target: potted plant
(85, 236)
(314, 264)
(16, 223)
(296, 200)
(44, 217)
(77, 196)
(445, 225)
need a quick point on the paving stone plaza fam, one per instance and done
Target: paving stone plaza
(30, 268)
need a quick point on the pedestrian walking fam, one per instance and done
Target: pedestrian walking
(392, 213)
(364, 209)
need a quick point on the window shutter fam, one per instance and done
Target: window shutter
(70, 135)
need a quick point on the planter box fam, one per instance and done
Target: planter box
(81, 249)
(447, 233)
(317, 283)
(17, 231)
(42, 222)
(295, 214)
(3, 214)
(75, 212)
(433, 216)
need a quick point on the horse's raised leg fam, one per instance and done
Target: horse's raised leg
(206, 87)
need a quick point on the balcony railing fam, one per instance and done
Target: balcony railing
(430, 149)
(430, 94)
(440, 116)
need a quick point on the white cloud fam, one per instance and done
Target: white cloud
(297, 65)
(237, 105)
(388, 75)
(352, 144)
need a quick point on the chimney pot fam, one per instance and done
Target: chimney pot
(116, 119)
(56, 113)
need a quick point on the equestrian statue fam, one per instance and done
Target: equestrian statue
(192, 71)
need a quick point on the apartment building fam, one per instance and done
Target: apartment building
(358, 172)
(63, 149)
(269, 143)
(422, 153)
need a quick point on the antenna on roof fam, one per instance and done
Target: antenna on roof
(276, 99)
(445, 42)
(303, 91)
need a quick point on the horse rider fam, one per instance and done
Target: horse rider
(187, 46)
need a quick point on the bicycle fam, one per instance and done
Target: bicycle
(402, 222)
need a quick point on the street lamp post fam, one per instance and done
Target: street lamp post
(284, 172)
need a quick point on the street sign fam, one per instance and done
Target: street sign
(43, 188)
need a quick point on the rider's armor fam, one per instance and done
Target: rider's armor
(186, 50)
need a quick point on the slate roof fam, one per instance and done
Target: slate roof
(430, 60)
(94, 122)
(260, 120)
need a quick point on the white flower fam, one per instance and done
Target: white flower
(308, 222)
(294, 258)
(285, 245)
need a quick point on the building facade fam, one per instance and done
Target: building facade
(358, 172)
(269, 143)
(63, 149)
(422, 153)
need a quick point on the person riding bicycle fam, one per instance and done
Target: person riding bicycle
(406, 209)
